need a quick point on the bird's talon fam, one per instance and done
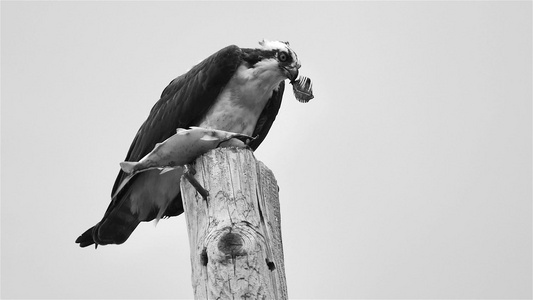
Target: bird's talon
(190, 169)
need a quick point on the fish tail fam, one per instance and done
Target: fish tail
(128, 166)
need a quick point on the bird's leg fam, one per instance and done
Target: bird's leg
(189, 175)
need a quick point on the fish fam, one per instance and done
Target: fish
(183, 148)
(302, 89)
(170, 158)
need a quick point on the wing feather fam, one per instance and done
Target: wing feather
(183, 102)
(267, 117)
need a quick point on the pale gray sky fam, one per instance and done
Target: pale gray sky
(408, 175)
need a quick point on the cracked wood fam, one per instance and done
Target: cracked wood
(234, 235)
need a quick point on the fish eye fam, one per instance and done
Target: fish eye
(283, 57)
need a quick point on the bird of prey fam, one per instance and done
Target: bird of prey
(236, 90)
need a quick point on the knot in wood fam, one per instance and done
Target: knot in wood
(231, 244)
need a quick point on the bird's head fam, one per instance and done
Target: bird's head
(276, 56)
(285, 57)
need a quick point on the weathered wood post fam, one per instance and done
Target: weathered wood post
(234, 234)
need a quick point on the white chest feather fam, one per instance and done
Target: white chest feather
(241, 102)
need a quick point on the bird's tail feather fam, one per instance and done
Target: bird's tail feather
(86, 238)
(154, 196)
(115, 228)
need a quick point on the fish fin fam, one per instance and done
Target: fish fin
(166, 169)
(180, 130)
(123, 184)
(128, 166)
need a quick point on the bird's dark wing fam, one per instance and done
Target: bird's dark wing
(183, 103)
(267, 117)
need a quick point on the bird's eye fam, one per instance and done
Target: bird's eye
(283, 57)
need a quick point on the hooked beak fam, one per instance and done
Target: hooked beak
(291, 73)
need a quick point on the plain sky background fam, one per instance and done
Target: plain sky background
(408, 175)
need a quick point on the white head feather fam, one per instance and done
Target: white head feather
(278, 45)
(273, 45)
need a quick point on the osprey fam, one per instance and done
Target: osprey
(237, 90)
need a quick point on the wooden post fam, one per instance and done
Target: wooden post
(234, 234)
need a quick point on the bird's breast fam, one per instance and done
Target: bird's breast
(239, 105)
